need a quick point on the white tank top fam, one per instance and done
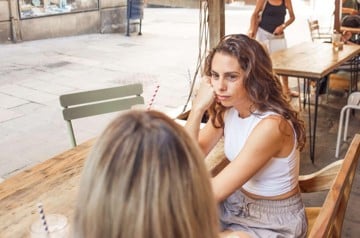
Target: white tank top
(279, 175)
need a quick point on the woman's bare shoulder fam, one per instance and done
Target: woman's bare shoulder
(276, 124)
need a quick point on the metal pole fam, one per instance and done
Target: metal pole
(129, 3)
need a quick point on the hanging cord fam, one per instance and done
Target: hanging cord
(203, 42)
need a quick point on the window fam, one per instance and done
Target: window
(38, 8)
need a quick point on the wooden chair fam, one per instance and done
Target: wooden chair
(318, 33)
(337, 178)
(327, 221)
(96, 102)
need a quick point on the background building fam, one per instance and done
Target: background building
(23, 20)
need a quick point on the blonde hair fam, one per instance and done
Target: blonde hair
(145, 177)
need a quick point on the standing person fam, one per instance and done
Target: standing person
(352, 21)
(272, 24)
(258, 190)
(145, 177)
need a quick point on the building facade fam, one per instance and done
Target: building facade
(23, 20)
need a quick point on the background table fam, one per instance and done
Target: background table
(311, 61)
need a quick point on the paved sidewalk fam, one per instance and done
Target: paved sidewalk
(33, 75)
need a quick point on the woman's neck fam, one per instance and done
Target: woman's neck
(245, 110)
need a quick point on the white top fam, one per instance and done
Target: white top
(279, 175)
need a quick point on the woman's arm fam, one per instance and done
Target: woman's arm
(280, 29)
(254, 20)
(272, 137)
(209, 135)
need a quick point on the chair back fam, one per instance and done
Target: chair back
(353, 102)
(354, 99)
(338, 178)
(313, 27)
(316, 32)
(100, 101)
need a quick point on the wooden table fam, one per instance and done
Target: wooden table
(55, 183)
(311, 61)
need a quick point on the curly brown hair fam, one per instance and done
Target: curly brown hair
(261, 83)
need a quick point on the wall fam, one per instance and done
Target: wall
(60, 25)
(5, 26)
(109, 18)
(113, 16)
(174, 3)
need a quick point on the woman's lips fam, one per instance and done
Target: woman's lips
(221, 97)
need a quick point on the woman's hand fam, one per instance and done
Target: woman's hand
(346, 35)
(205, 95)
(251, 34)
(279, 30)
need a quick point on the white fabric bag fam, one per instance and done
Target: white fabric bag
(272, 42)
(277, 43)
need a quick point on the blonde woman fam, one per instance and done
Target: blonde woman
(145, 178)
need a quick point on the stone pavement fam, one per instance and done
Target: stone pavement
(33, 74)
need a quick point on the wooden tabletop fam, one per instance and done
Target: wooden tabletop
(311, 59)
(55, 183)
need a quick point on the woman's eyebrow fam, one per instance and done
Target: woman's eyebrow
(232, 72)
(226, 73)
